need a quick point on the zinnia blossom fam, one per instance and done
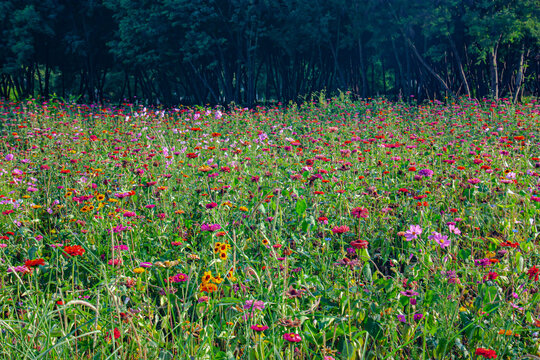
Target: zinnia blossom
(360, 212)
(486, 353)
(75, 250)
(340, 229)
(425, 173)
(258, 327)
(210, 227)
(292, 337)
(35, 262)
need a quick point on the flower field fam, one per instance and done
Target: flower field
(336, 229)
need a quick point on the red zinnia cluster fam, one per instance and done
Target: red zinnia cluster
(34, 263)
(510, 244)
(486, 353)
(533, 273)
(75, 250)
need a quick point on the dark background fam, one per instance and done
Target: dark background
(262, 51)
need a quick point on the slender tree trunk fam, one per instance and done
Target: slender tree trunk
(429, 68)
(383, 76)
(401, 85)
(519, 76)
(460, 66)
(362, 67)
(493, 70)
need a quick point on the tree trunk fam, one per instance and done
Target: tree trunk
(429, 68)
(519, 76)
(494, 75)
(362, 68)
(460, 66)
(401, 85)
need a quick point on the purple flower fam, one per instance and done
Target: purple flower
(401, 318)
(210, 227)
(9, 157)
(425, 173)
(409, 293)
(254, 304)
(418, 317)
(481, 262)
(440, 239)
(413, 232)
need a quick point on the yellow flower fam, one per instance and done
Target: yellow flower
(207, 277)
(243, 208)
(139, 270)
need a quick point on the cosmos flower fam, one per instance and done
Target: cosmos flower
(440, 239)
(413, 233)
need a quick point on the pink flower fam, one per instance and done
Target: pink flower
(115, 262)
(258, 327)
(473, 181)
(360, 212)
(340, 229)
(210, 227)
(211, 205)
(292, 337)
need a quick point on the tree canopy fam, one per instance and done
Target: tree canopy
(252, 51)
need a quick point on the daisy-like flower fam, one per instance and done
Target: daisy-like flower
(453, 229)
(413, 232)
(440, 239)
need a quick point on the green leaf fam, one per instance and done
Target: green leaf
(301, 207)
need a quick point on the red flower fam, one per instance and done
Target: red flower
(492, 275)
(360, 212)
(533, 273)
(486, 353)
(192, 155)
(510, 244)
(35, 262)
(359, 244)
(75, 250)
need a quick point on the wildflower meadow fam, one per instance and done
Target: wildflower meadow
(334, 229)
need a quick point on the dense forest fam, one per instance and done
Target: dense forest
(255, 51)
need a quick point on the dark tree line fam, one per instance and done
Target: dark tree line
(250, 51)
